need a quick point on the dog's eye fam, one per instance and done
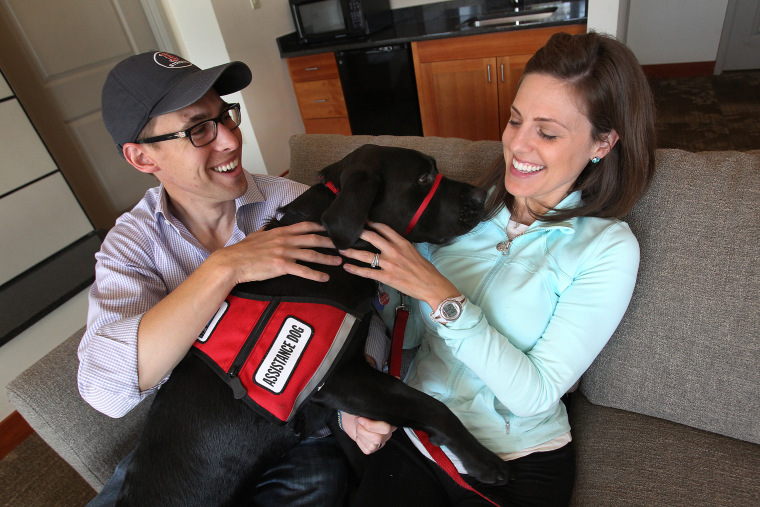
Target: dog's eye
(425, 179)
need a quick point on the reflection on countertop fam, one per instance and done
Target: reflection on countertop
(449, 19)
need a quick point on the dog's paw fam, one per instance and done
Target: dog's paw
(489, 469)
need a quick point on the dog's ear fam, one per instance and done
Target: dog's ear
(358, 186)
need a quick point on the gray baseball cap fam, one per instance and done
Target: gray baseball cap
(155, 83)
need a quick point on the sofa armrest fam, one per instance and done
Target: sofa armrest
(46, 395)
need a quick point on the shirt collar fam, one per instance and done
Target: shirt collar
(251, 196)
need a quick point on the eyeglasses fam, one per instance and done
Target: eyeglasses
(205, 132)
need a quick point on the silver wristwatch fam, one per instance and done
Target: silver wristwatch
(449, 310)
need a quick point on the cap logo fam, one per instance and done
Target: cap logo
(170, 61)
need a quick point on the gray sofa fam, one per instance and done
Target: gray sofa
(669, 414)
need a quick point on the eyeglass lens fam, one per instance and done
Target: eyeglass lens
(205, 133)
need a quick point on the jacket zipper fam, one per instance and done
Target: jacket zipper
(503, 247)
(238, 389)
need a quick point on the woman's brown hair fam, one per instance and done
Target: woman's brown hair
(608, 79)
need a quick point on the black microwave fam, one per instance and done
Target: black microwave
(319, 20)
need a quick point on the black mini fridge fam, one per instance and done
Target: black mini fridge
(380, 90)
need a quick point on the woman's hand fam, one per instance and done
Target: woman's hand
(369, 435)
(401, 266)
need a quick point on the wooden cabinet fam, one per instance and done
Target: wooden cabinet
(319, 94)
(466, 85)
(510, 69)
(459, 98)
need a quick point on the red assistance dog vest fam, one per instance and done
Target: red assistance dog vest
(275, 352)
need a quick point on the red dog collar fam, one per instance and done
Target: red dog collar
(420, 210)
(424, 205)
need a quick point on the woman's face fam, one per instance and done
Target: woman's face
(547, 144)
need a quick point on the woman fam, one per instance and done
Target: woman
(534, 292)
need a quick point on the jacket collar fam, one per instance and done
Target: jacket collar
(565, 226)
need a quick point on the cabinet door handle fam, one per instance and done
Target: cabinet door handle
(489, 72)
(502, 72)
(311, 68)
(320, 100)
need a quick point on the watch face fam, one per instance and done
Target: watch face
(450, 310)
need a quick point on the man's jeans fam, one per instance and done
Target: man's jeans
(313, 473)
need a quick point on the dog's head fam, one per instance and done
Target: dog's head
(389, 185)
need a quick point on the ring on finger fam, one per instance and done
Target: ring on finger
(375, 261)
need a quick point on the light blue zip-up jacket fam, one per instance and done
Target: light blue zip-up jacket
(534, 320)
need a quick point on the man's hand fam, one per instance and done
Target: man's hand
(369, 435)
(266, 254)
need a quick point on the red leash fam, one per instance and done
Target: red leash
(447, 466)
(394, 368)
(397, 344)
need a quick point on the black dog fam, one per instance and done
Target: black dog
(200, 444)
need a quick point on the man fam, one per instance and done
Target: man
(168, 264)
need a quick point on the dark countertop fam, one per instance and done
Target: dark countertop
(439, 21)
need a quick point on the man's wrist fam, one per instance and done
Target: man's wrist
(220, 270)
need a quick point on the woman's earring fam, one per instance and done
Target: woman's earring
(595, 160)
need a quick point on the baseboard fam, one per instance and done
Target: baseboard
(13, 430)
(675, 70)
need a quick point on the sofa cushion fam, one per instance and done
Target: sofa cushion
(631, 459)
(688, 349)
(459, 159)
(46, 396)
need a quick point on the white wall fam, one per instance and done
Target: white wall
(608, 16)
(675, 31)
(200, 40)
(662, 31)
(251, 36)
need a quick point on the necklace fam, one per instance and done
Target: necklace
(513, 231)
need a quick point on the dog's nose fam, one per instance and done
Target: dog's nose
(478, 195)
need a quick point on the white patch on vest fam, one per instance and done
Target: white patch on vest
(206, 333)
(275, 370)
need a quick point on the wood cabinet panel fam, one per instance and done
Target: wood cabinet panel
(319, 94)
(320, 99)
(466, 85)
(460, 99)
(313, 67)
(510, 70)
